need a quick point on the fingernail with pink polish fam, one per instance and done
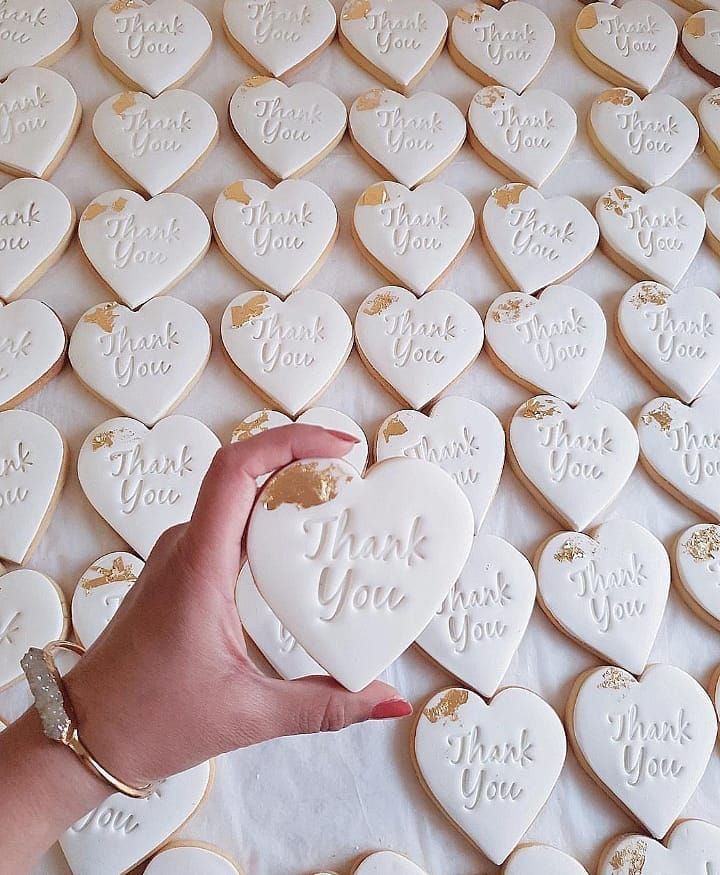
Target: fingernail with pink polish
(344, 436)
(391, 710)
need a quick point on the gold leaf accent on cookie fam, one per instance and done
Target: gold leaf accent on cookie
(119, 204)
(447, 708)
(305, 485)
(380, 303)
(369, 100)
(256, 81)
(123, 102)
(660, 416)
(587, 19)
(236, 192)
(618, 201)
(650, 293)
(615, 679)
(507, 195)
(119, 572)
(243, 313)
(509, 311)
(354, 10)
(374, 196)
(616, 96)
(470, 16)
(121, 5)
(92, 211)
(695, 26)
(103, 316)
(488, 97)
(714, 100)
(103, 439)
(536, 408)
(632, 855)
(247, 429)
(394, 427)
(704, 544)
(569, 552)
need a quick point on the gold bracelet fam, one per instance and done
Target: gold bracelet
(57, 715)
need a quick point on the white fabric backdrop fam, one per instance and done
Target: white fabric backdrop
(302, 805)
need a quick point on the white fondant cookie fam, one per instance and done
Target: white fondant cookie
(387, 863)
(697, 567)
(155, 141)
(693, 848)
(144, 481)
(371, 559)
(287, 129)
(143, 248)
(417, 347)
(277, 37)
(700, 44)
(672, 336)
(709, 119)
(32, 472)
(606, 590)
(630, 45)
(523, 136)
(186, 858)
(290, 351)
(651, 236)
(122, 832)
(32, 614)
(541, 859)
(410, 139)
(36, 225)
(552, 343)
(144, 363)
(489, 766)
(397, 41)
(711, 208)
(35, 34)
(680, 449)
(646, 741)
(463, 437)
(151, 47)
(481, 622)
(32, 349)
(413, 237)
(39, 117)
(272, 639)
(535, 241)
(100, 592)
(507, 46)
(574, 461)
(646, 140)
(277, 237)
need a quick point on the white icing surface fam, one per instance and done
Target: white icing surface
(647, 741)
(541, 859)
(693, 848)
(143, 362)
(370, 565)
(698, 566)
(701, 39)
(155, 140)
(142, 248)
(419, 346)
(491, 767)
(711, 208)
(709, 115)
(387, 863)
(100, 592)
(144, 481)
(276, 235)
(31, 31)
(187, 860)
(290, 350)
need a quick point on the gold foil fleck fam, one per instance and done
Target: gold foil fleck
(695, 26)
(447, 708)
(509, 310)
(470, 16)
(121, 5)
(703, 544)
(236, 192)
(369, 100)
(256, 81)
(616, 96)
(569, 552)
(507, 195)
(243, 313)
(123, 102)
(618, 201)
(119, 204)
(103, 316)
(354, 10)
(304, 484)
(247, 429)
(119, 572)
(102, 439)
(714, 100)
(650, 293)
(92, 211)
(660, 416)
(379, 303)
(587, 19)
(489, 96)
(615, 679)
(538, 408)
(632, 856)
(394, 427)
(374, 196)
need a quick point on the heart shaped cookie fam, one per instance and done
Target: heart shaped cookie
(630, 46)
(287, 129)
(463, 437)
(523, 136)
(100, 592)
(410, 139)
(646, 741)
(32, 614)
(40, 114)
(32, 34)
(278, 39)
(32, 350)
(417, 347)
(507, 46)
(155, 141)
(387, 863)
(697, 571)
(144, 481)
(122, 832)
(277, 237)
(481, 622)
(699, 43)
(606, 590)
(680, 449)
(290, 351)
(413, 237)
(670, 336)
(36, 225)
(532, 859)
(271, 638)
(144, 363)
(552, 343)
(143, 248)
(646, 140)
(475, 758)
(693, 848)
(709, 119)
(535, 241)
(396, 41)
(371, 558)
(575, 461)
(186, 858)
(33, 458)
(151, 47)
(651, 236)
(711, 208)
